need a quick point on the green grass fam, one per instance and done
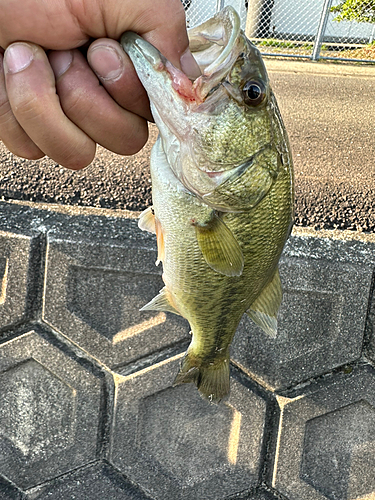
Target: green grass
(306, 48)
(272, 42)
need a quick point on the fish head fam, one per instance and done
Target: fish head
(214, 127)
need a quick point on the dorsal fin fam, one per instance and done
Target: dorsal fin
(263, 311)
(160, 302)
(219, 247)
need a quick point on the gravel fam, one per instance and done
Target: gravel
(111, 181)
(116, 182)
(326, 205)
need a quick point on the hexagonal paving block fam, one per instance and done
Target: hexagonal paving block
(29, 389)
(94, 290)
(370, 326)
(326, 284)
(326, 444)
(352, 431)
(9, 492)
(16, 284)
(260, 493)
(176, 445)
(49, 411)
(95, 482)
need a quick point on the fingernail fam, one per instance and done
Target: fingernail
(189, 65)
(60, 62)
(106, 62)
(17, 57)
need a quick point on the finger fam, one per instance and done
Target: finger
(51, 24)
(161, 23)
(11, 133)
(87, 104)
(172, 40)
(116, 73)
(63, 25)
(30, 85)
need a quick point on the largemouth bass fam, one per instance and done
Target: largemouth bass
(222, 192)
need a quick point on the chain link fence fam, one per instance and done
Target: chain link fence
(341, 30)
(198, 11)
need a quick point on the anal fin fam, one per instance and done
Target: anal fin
(263, 311)
(160, 303)
(219, 247)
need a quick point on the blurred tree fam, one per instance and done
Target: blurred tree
(362, 11)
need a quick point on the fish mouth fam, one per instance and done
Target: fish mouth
(212, 42)
(215, 45)
(137, 48)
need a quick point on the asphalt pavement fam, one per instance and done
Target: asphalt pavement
(329, 113)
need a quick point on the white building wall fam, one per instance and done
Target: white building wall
(288, 16)
(302, 17)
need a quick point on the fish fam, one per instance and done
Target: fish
(222, 192)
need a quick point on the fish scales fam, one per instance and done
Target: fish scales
(222, 190)
(223, 143)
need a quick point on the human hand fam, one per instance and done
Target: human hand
(55, 101)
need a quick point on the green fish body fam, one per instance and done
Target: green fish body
(222, 184)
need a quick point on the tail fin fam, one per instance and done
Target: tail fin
(211, 379)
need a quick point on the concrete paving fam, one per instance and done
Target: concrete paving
(88, 409)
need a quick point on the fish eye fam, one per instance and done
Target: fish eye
(254, 92)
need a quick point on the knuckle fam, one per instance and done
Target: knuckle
(6, 114)
(27, 108)
(135, 140)
(14, 137)
(23, 147)
(78, 158)
(74, 103)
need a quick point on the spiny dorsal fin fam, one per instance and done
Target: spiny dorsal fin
(263, 311)
(219, 247)
(160, 303)
(146, 220)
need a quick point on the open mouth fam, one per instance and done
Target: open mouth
(212, 42)
(215, 45)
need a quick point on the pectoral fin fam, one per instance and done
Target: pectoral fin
(219, 247)
(146, 220)
(159, 241)
(161, 302)
(263, 311)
